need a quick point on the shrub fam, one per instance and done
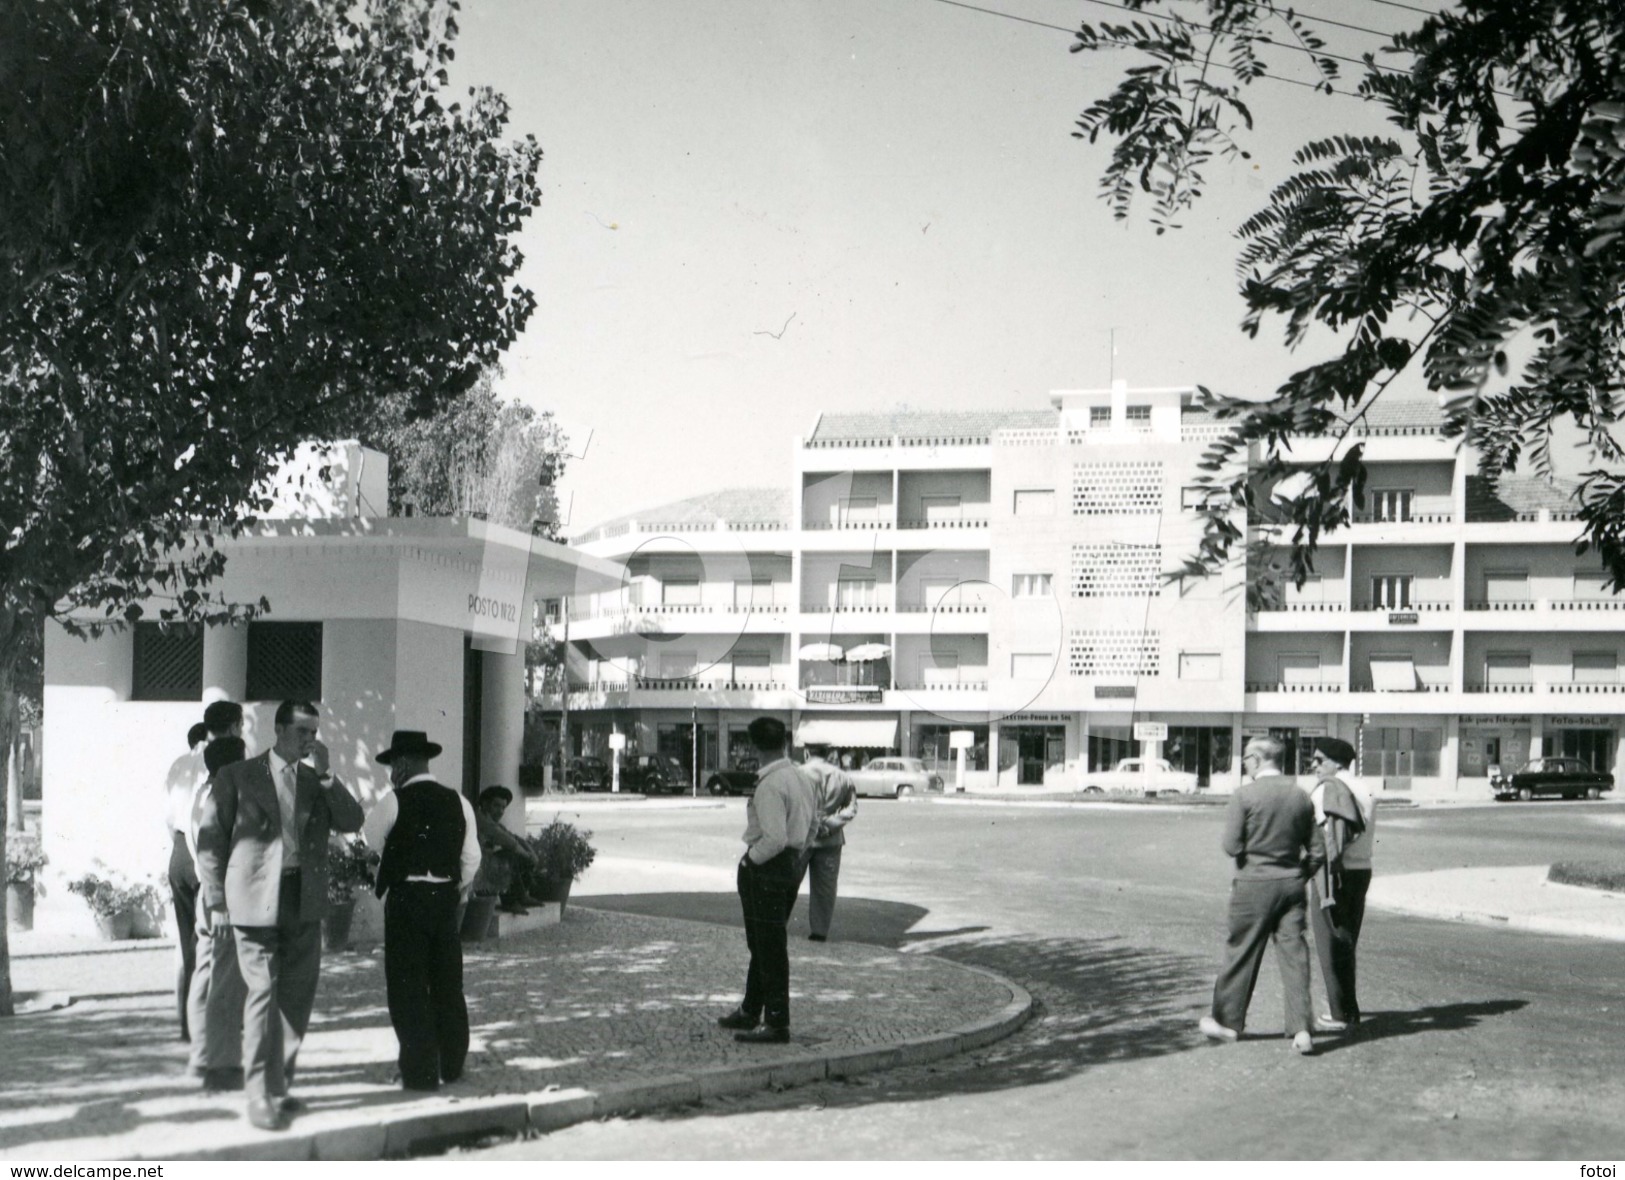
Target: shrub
(351, 865)
(116, 894)
(1591, 874)
(24, 859)
(562, 852)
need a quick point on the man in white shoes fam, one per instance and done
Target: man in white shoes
(1270, 832)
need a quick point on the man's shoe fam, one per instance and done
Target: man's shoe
(1304, 1043)
(766, 1035)
(1325, 1024)
(738, 1019)
(221, 1081)
(262, 1113)
(1214, 1031)
(288, 1104)
(817, 938)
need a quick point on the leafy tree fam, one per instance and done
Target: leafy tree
(1481, 241)
(229, 228)
(476, 456)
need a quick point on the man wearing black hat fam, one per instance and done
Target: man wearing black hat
(427, 835)
(1346, 814)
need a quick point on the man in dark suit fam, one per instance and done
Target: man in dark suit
(262, 867)
(431, 851)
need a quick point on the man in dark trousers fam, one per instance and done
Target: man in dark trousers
(837, 807)
(262, 866)
(1269, 830)
(431, 851)
(780, 821)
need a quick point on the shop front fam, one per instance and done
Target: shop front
(1493, 743)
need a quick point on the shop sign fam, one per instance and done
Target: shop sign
(1052, 717)
(1584, 722)
(961, 739)
(1253, 731)
(1114, 692)
(1493, 719)
(1402, 616)
(1150, 731)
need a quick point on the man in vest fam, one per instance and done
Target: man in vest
(427, 835)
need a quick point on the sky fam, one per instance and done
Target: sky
(755, 211)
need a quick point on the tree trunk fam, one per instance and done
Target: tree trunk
(8, 733)
(14, 777)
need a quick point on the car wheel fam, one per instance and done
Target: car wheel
(1593, 792)
(1525, 794)
(714, 787)
(904, 789)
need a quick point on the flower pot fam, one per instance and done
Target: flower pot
(479, 919)
(20, 906)
(336, 926)
(551, 889)
(115, 927)
(144, 923)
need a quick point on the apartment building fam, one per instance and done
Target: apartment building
(1003, 573)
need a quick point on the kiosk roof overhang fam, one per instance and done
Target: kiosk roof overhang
(554, 569)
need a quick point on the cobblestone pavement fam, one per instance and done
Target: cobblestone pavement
(601, 999)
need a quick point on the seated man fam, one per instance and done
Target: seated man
(505, 858)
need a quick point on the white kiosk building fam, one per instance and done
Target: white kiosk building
(384, 622)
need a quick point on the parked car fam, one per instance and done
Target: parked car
(738, 779)
(1141, 776)
(1568, 777)
(655, 774)
(587, 774)
(895, 777)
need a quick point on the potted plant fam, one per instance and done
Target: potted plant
(562, 855)
(116, 902)
(24, 859)
(351, 865)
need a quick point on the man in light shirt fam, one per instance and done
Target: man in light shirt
(431, 850)
(781, 819)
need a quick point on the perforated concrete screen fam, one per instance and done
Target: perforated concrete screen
(1115, 653)
(1115, 570)
(1125, 488)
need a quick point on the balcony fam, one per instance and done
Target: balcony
(1425, 686)
(848, 525)
(967, 522)
(1424, 607)
(846, 608)
(942, 608)
(1281, 686)
(1499, 688)
(1306, 607)
(1525, 604)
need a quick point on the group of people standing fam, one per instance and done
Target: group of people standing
(248, 875)
(795, 823)
(1302, 858)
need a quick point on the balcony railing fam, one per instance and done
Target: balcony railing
(695, 684)
(1038, 436)
(1304, 606)
(964, 523)
(1584, 689)
(1368, 686)
(1554, 603)
(1565, 687)
(621, 528)
(824, 526)
(946, 686)
(1481, 604)
(897, 440)
(1278, 686)
(847, 608)
(944, 608)
(1499, 688)
(1418, 606)
(1415, 517)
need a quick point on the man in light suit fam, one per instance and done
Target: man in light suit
(262, 867)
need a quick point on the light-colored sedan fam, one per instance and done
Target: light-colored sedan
(1141, 776)
(894, 778)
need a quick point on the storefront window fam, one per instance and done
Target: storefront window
(1400, 752)
(1109, 745)
(1202, 750)
(931, 744)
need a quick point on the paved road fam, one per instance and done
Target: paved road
(1484, 1043)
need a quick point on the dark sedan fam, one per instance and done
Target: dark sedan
(587, 774)
(1568, 777)
(739, 779)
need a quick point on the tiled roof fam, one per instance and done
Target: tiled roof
(1513, 496)
(928, 424)
(740, 505)
(1398, 410)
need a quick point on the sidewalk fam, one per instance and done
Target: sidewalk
(603, 1014)
(1517, 897)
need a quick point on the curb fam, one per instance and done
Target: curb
(1536, 923)
(415, 1129)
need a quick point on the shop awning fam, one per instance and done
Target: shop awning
(1393, 674)
(867, 734)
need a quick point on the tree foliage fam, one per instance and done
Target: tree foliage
(1482, 243)
(228, 228)
(477, 456)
